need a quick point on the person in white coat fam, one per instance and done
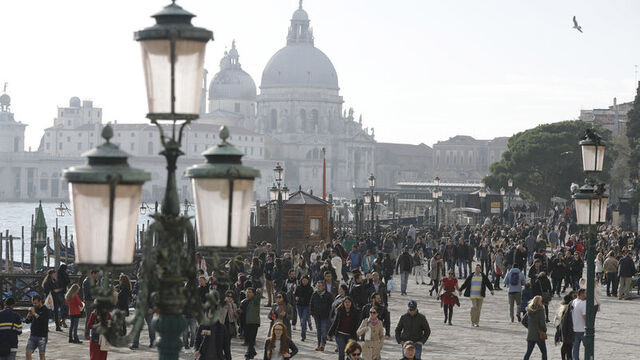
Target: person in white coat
(336, 262)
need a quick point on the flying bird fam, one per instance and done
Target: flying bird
(575, 24)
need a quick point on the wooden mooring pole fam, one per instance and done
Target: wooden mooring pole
(22, 247)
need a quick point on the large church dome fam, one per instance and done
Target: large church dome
(231, 82)
(300, 63)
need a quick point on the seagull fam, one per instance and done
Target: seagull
(575, 25)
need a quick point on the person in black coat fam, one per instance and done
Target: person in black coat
(62, 285)
(360, 291)
(345, 325)
(383, 313)
(210, 342)
(542, 286)
(302, 299)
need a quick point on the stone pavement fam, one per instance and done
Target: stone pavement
(496, 338)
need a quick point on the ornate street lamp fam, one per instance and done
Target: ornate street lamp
(280, 194)
(62, 210)
(482, 194)
(372, 199)
(591, 209)
(144, 207)
(437, 194)
(105, 193)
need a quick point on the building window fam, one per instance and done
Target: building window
(48, 146)
(90, 145)
(79, 134)
(79, 146)
(195, 147)
(236, 107)
(16, 144)
(69, 123)
(117, 134)
(150, 148)
(314, 227)
(133, 146)
(68, 138)
(133, 134)
(314, 119)
(59, 146)
(150, 134)
(44, 184)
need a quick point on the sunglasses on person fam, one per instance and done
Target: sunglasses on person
(356, 354)
(373, 312)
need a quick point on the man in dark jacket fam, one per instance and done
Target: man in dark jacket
(404, 265)
(320, 307)
(302, 298)
(10, 328)
(87, 298)
(360, 291)
(38, 317)
(251, 304)
(475, 287)
(626, 270)
(383, 313)
(463, 254)
(413, 326)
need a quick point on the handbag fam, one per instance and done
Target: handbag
(104, 343)
(391, 285)
(48, 302)
(542, 335)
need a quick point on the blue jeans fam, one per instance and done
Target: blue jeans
(192, 330)
(303, 313)
(152, 331)
(404, 278)
(37, 342)
(341, 341)
(578, 337)
(462, 264)
(73, 327)
(322, 328)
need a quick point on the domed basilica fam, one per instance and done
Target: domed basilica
(299, 111)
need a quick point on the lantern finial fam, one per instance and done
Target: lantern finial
(224, 133)
(107, 133)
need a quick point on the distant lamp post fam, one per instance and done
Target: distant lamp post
(482, 194)
(591, 209)
(280, 194)
(437, 194)
(372, 199)
(62, 209)
(144, 207)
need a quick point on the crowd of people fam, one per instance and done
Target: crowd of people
(343, 290)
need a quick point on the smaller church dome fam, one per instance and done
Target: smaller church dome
(231, 82)
(300, 14)
(74, 102)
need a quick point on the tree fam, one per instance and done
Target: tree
(633, 134)
(544, 161)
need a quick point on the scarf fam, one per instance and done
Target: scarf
(374, 322)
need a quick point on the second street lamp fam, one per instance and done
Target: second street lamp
(280, 195)
(591, 209)
(374, 199)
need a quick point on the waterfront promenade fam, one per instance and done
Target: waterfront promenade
(496, 338)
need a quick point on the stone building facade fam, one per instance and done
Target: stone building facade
(464, 159)
(614, 118)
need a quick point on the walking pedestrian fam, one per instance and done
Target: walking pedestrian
(372, 332)
(96, 350)
(251, 319)
(626, 271)
(279, 345)
(475, 287)
(537, 328)
(610, 267)
(303, 294)
(564, 326)
(447, 295)
(437, 273)
(345, 325)
(413, 327)
(87, 298)
(75, 306)
(579, 318)
(514, 280)
(281, 311)
(38, 317)
(49, 285)
(10, 328)
(124, 297)
(320, 308)
(404, 265)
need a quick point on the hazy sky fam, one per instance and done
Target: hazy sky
(418, 70)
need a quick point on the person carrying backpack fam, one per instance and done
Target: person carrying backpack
(515, 280)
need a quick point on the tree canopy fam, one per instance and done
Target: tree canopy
(544, 161)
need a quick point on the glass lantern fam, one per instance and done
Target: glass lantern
(223, 190)
(173, 61)
(372, 181)
(593, 149)
(105, 196)
(591, 206)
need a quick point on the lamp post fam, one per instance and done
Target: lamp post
(280, 194)
(372, 199)
(62, 210)
(591, 204)
(105, 193)
(482, 194)
(437, 194)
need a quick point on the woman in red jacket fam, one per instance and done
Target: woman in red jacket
(75, 305)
